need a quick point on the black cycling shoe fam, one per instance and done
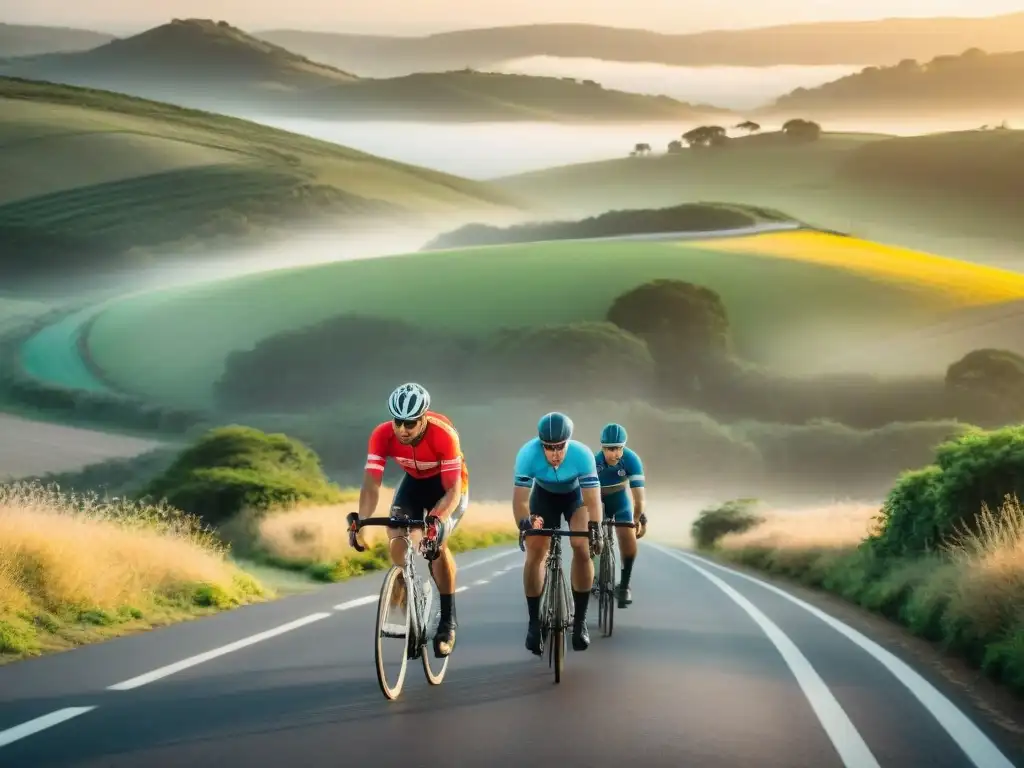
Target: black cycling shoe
(624, 595)
(444, 639)
(534, 642)
(580, 637)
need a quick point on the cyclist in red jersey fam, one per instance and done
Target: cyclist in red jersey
(436, 483)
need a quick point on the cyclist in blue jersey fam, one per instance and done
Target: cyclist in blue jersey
(621, 474)
(556, 478)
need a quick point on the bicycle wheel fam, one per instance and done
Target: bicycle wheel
(610, 617)
(388, 628)
(558, 633)
(431, 618)
(604, 591)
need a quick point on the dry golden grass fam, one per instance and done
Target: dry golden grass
(961, 283)
(319, 534)
(838, 525)
(75, 568)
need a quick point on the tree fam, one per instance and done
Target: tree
(686, 328)
(675, 147)
(749, 126)
(642, 149)
(798, 129)
(706, 136)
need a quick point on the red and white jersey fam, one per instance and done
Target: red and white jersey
(437, 452)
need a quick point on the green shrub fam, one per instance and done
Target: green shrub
(907, 522)
(732, 517)
(235, 468)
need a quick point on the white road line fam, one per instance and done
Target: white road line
(462, 589)
(847, 741)
(481, 582)
(192, 661)
(364, 600)
(978, 748)
(12, 735)
(490, 559)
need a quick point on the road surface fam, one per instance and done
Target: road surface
(707, 668)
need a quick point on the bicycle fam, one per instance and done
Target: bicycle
(606, 577)
(556, 603)
(419, 624)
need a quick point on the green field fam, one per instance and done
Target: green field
(946, 193)
(791, 297)
(90, 175)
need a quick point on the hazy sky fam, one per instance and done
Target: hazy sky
(423, 16)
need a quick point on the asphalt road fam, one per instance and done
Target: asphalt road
(707, 668)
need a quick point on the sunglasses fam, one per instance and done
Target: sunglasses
(407, 423)
(553, 446)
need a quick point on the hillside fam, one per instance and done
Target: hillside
(885, 41)
(969, 82)
(30, 40)
(948, 193)
(92, 177)
(212, 65)
(467, 95)
(210, 60)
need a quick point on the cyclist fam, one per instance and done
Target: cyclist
(555, 478)
(617, 467)
(436, 484)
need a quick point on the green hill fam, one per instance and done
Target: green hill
(30, 40)
(776, 288)
(92, 176)
(971, 82)
(947, 193)
(212, 65)
(880, 42)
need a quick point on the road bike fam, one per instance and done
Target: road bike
(556, 603)
(605, 577)
(419, 624)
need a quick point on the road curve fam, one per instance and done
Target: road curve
(707, 668)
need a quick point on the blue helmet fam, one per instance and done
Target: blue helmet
(613, 435)
(554, 428)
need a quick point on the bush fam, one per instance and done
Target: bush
(341, 358)
(586, 359)
(680, 218)
(988, 386)
(929, 507)
(732, 517)
(234, 468)
(685, 326)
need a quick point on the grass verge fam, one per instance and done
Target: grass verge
(76, 570)
(968, 597)
(314, 539)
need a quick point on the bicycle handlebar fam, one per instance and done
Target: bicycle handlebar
(553, 532)
(617, 524)
(391, 522)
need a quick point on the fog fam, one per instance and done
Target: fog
(490, 149)
(729, 87)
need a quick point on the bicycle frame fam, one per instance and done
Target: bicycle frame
(556, 604)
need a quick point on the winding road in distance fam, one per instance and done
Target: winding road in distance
(708, 668)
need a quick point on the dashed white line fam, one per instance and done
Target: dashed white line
(978, 748)
(364, 600)
(463, 588)
(12, 735)
(192, 661)
(848, 742)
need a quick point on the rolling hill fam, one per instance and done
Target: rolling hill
(30, 40)
(949, 193)
(967, 83)
(885, 41)
(212, 65)
(157, 344)
(92, 177)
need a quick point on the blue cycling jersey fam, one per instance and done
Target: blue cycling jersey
(629, 470)
(577, 470)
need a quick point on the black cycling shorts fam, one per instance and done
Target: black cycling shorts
(553, 507)
(413, 496)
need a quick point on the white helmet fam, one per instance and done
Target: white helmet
(409, 401)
